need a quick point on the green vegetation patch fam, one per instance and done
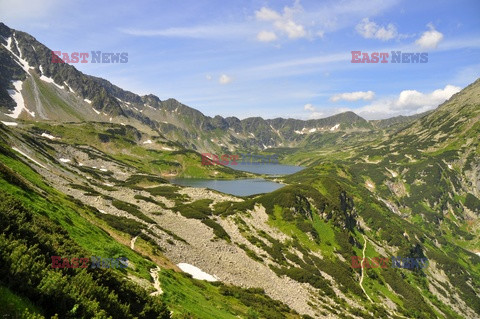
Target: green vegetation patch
(131, 209)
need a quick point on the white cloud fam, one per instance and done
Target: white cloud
(292, 29)
(291, 22)
(370, 30)
(314, 114)
(208, 77)
(224, 79)
(308, 107)
(430, 39)
(266, 14)
(266, 36)
(284, 23)
(408, 102)
(353, 96)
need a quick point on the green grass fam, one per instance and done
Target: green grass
(326, 234)
(71, 216)
(47, 96)
(186, 298)
(324, 230)
(13, 305)
(191, 298)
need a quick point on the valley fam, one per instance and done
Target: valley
(89, 169)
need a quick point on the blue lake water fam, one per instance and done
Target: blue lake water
(237, 187)
(243, 187)
(268, 169)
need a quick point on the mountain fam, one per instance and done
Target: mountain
(58, 92)
(89, 178)
(397, 121)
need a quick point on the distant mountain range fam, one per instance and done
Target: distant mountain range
(59, 92)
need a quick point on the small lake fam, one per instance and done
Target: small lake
(244, 186)
(268, 169)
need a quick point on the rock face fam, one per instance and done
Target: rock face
(229, 263)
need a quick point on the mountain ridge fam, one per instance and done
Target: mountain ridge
(111, 103)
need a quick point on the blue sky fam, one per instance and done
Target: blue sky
(268, 58)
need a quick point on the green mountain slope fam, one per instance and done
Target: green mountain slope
(39, 222)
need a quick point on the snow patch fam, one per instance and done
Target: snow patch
(22, 62)
(50, 137)
(333, 128)
(25, 155)
(64, 160)
(98, 112)
(450, 166)
(196, 272)
(88, 101)
(18, 98)
(9, 123)
(104, 169)
(312, 130)
(50, 80)
(9, 42)
(107, 184)
(16, 44)
(167, 148)
(68, 86)
(148, 142)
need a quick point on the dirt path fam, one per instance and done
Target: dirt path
(132, 242)
(363, 272)
(156, 282)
